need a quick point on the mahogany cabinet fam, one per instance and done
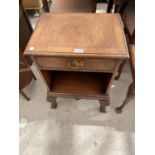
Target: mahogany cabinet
(78, 54)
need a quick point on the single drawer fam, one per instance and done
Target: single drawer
(81, 64)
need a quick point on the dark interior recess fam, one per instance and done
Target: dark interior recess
(84, 83)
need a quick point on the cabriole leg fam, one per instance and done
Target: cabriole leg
(103, 104)
(129, 96)
(53, 102)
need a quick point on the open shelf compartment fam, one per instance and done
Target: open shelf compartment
(82, 83)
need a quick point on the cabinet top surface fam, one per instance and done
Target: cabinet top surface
(74, 34)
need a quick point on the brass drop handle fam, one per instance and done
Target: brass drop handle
(75, 64)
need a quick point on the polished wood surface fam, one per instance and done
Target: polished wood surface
(32, 4)
(98, 35)
(66, 6)
(55, 63)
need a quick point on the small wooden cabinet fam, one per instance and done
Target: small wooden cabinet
(78, 54)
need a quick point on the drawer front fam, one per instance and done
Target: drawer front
(81, 64)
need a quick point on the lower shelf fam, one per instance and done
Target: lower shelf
(77, 83)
